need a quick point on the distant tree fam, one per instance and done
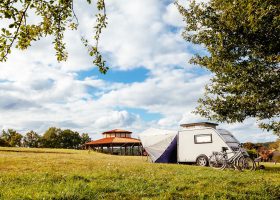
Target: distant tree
(50, 139)
(264, 144)
(5, 137)
(252, 153)
(69, 139)
(3, 143)
(242, 41)
(11, 138)
(16, 139)
(85, 138)
(275, 145)
(249, 145)
(31, 139)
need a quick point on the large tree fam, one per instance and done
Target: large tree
(55, 17)
(242, 41)
(50, 139)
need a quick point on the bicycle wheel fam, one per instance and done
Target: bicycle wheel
(246, 163)
(217, 161)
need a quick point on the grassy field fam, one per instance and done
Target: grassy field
(73, 174)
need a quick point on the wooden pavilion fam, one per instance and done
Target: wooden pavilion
(117, 142)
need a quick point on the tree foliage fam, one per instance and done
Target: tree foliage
(275, 145)
(242, 40)
(85, 138)
(52, 138)
(32, 139)
(11, 138)
(67, 139)
(248, 145)
(3, 143)
(55, 17)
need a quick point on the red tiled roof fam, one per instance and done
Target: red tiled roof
(114, 140)
(117, 131)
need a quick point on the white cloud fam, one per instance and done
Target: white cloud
(172, 16)
(116, 119)
(138, 35)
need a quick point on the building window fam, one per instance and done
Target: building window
(203, 138)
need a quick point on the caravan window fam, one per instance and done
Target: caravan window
(203, 138)
(229, 138)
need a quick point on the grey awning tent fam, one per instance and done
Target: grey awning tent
(161, 145)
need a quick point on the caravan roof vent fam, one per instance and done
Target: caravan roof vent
(199, 124)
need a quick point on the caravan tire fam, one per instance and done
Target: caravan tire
(202, 161)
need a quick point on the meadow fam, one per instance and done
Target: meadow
(80, 174)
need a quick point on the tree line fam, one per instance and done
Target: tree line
(52, 138)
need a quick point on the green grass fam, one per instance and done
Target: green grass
(73, 174)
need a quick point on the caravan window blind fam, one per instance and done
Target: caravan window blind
(203, 138)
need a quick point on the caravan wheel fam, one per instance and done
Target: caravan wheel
(202, 161)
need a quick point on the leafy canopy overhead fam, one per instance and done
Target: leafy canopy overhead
(56, 16)
(242, 38)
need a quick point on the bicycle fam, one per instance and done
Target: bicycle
(239, 161)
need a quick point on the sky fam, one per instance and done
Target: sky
(150, 83)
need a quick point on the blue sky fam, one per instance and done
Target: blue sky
(150, 82)
(121, 76)
(146, 116)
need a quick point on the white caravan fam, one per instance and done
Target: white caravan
(197, 141)
(193, 143)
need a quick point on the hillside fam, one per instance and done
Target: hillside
(76, 174)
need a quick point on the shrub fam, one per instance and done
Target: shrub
(252, 153)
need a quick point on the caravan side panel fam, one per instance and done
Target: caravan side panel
(195, 142)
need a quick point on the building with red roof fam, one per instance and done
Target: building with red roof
(118, 142)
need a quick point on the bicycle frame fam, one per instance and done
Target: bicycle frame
(221, 159)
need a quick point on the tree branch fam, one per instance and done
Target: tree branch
(16, 33)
